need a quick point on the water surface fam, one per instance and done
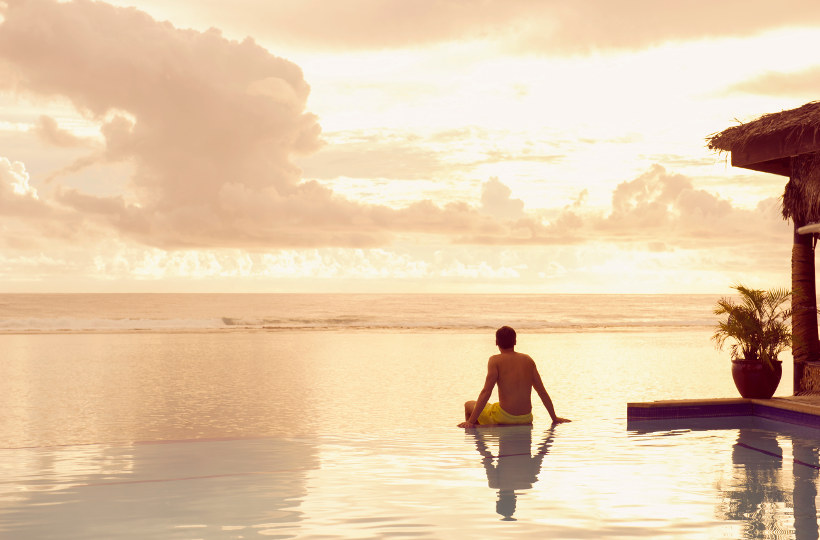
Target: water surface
(233, 431)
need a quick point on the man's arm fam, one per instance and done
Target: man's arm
(545, 397)
(484, 395)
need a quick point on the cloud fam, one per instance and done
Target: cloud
(395, 154)
(324, 263)
(635, 24)
(496, 200)
(374, 154)
(30, 222)
(797, 84)
(667, 206)
(547, 26)
(193, 111)
(658, 209)
(210, 125)
(659, 225)
(211, 128)
(49, 131)
(647, 201)
(14, 182)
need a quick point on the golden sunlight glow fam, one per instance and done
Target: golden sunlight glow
(475, 140)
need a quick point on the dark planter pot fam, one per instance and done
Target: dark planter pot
(754, 380)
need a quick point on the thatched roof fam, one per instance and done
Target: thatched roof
(768, 143)
(801, 198)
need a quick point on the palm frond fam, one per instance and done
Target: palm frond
(757, 323)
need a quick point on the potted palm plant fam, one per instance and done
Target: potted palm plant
(758, 327)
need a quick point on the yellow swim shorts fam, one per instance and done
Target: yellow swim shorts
(494, 414)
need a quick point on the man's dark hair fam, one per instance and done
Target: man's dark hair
(505, 337)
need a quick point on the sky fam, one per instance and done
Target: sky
(510, 146)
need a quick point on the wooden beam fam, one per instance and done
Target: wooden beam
(781, 166)
(772, 153)
(811, 228)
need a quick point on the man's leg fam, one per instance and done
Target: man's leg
(468, 409)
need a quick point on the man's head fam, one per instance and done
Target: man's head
(505, 337)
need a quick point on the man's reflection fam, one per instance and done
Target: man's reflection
(515, 467)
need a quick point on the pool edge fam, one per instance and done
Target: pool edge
(800, 410)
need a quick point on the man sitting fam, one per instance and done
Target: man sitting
(516, 375)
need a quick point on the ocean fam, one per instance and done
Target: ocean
(66, 313)
(299, 416)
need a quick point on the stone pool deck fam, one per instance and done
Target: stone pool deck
(800, 410)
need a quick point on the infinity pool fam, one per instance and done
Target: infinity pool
(312, 435)
(580, 480)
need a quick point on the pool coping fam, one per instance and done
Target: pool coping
(800, 410)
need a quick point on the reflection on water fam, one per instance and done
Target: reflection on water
(353, 436)
(582, 480)
(805, 472)
(187, 489)
(763, 495)
(102, 388)
(515, 466)
(771, 489)
(122, 388)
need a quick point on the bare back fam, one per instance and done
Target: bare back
(516, 378)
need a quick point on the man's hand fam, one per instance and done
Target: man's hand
(559, 420)
(467, 425)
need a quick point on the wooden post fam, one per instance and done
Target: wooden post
(805, 347)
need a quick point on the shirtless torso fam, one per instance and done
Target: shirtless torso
(516, 375)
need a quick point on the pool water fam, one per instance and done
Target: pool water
(317, 435)
(581, 480)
